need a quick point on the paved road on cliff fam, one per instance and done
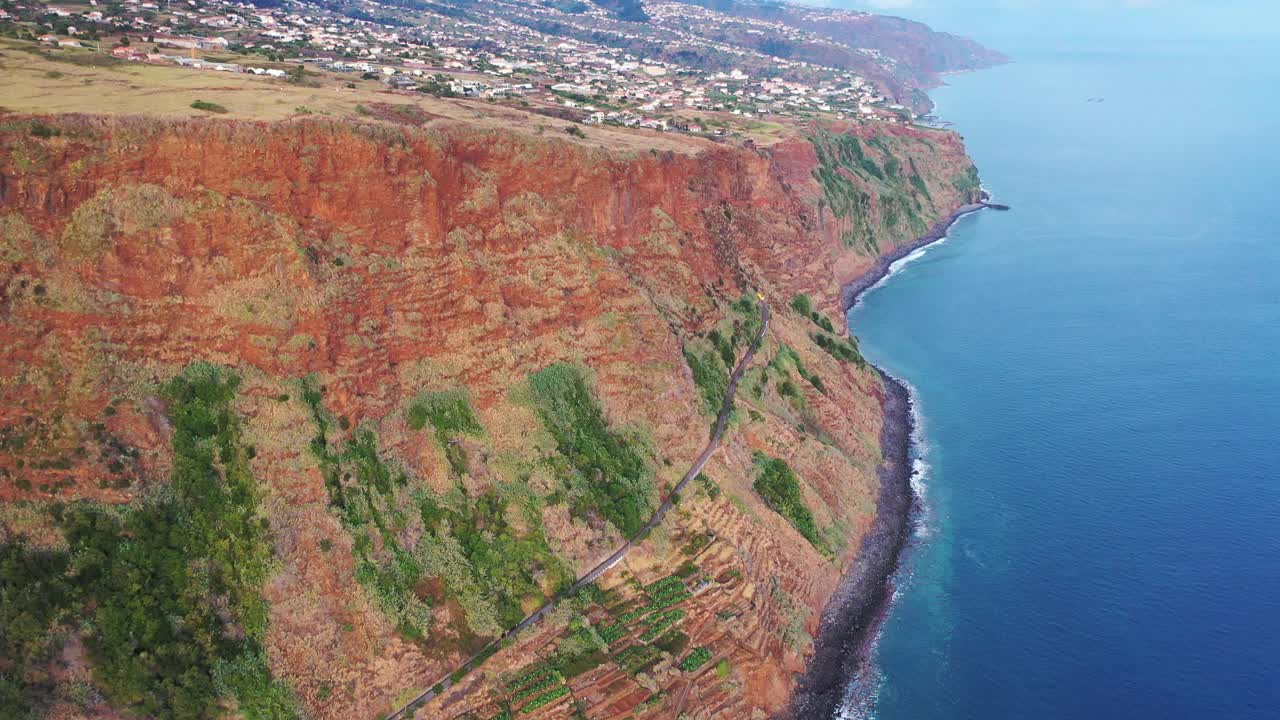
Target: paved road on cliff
(713, 444)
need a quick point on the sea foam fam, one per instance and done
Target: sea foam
(862, 694)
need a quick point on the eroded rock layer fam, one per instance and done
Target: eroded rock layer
(465, 362)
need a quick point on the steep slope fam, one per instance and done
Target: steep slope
(432, 374)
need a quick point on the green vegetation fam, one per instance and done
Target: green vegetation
(968, 183)
(709, 486)
(845, 350)
(844, 197)
(612, 633)
(711, 367)
(546, 699)
(676, 596)
(695, 545)
(549, 679)
(673, 642)
(695, 659)
(177, 620)
(892, 167)
(659, 622)
(606, 471)
(778, 486)
(847, 151)
(667, 592)
(724, 669)
(531, 676)
(591, 594)
(711, 377)
(743, 331)
(579, 652)
(43, 130)
(748, 322)
(803, 305)
(360, 485)
(839, 154)
(786, 358)
(636, 658)
(850, 178)
(468, 543)
(918, 182)
(584, 647)
(208, 107)
(505, 565)
(650, 702)
(449, 413)
(631, 615)
(35, 596)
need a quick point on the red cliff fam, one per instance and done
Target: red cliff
(385, 262)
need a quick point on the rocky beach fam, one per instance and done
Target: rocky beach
(857, 608)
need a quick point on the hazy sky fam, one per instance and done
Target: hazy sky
(1009, 24)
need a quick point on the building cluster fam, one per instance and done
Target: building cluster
(597, 71)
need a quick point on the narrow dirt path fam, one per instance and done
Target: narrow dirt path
(717, 434)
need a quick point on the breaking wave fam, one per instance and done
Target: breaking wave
(862, 694)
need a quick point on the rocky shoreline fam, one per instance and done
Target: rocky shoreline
(853, 613)
(850, 293)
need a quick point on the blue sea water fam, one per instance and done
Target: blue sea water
(1098, 376)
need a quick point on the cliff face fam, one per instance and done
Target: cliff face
(407, 311)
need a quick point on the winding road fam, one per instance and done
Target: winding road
(717, 433)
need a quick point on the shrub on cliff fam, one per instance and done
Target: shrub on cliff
(711, 368)
(43, 130)
(469, 543)
(208, 107)
(35, 595)
(778, 486)
(788, 357)
(846, 350)
(710, 376)
(968, 184)
(178, 620)
(449, 413)
(608, 472)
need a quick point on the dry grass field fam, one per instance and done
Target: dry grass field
(39, 79)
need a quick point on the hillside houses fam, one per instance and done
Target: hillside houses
(503, 58)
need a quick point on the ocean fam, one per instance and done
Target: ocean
(1097, 375)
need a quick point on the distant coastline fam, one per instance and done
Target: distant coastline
(856, 609)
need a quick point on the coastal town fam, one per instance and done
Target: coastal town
(573, 60)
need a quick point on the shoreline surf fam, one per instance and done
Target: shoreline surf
(856, 610)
